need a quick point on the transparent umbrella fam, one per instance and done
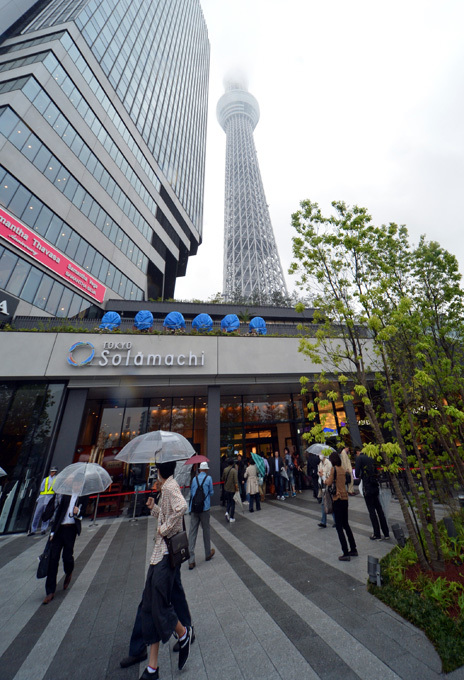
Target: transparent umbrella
(83, 479)
(2, 472)
(320, 448)
(156, 447)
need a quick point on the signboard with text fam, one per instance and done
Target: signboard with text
(27, 240)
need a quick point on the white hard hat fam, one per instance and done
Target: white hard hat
(204, 466)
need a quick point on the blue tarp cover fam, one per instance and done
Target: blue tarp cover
(143, 320)
(202, 322)
(174, 321)
(259, 325)
(110, 321)
(230, 323)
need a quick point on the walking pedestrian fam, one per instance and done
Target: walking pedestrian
(324, 469)
(159, 618)
(289, 467)
(201, 491)
(340, 508)
(45, 494)
(65, 527)
(137, 645)
(277, 466)
(230, 479)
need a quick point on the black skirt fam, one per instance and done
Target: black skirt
(158, 616)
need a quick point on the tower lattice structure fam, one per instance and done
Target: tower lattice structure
(252, 267)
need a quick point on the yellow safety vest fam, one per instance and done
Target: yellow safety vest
(48, 490)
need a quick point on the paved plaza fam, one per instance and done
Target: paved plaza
(274, 603)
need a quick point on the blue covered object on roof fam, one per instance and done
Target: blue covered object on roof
(174, 321)
(230, 323)
(258, 325)
(202, 322)
(143, 320)
(110, 321)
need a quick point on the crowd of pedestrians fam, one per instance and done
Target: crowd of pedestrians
(163, 611)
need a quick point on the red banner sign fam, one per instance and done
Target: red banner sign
(27, 240)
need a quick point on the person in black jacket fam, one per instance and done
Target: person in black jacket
(366, 470)
(66, 525)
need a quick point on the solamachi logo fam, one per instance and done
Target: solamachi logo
(76, 348)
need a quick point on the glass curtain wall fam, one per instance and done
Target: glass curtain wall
(28, 417)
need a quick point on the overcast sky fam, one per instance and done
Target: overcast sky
(361, 101)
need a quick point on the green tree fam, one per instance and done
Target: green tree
(392, 315)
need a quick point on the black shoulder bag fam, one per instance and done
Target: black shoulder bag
(178, 547)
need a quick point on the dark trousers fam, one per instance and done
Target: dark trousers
(255, 497)
(376, 514)
(137, 645)
(340, 511)
(278, 483)
(230, 503)
(297, 475)
(63, 540)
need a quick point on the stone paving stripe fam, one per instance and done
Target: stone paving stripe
(22, 610)
(39, 658)
(320, 657)
(361, 662)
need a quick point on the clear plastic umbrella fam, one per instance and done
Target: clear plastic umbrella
(2, 472)
(156, 447)
(83, 479)
(320, 448)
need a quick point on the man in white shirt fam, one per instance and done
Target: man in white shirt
(66, 525)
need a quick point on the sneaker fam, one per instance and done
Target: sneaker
(177, 645)
(184, 649)
(149, 676)
(386, 538)
(131, 660)
(227, 516)
(344, 558)
(231, 519)
(375, 538)
(293, 495)
(353, 553)
(192, 565)
(323, 526)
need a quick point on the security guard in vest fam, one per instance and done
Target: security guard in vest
(46, 492)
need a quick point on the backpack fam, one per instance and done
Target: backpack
(198, 500)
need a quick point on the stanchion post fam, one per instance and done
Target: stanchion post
(134, 518)
(93, 523)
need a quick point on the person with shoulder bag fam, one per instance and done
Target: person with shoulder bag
(201, 491)
(337, 489)
(159, 618)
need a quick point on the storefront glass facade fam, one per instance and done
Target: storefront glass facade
(28, 418)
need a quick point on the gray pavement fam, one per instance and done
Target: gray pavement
(274, 603)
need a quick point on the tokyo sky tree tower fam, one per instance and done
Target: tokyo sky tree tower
(252, 266)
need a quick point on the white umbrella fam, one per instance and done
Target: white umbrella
(83, 479)
(2, 472)
(320, 448)
(156, 447)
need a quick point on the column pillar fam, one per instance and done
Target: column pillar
(66, 441)
(213, 438)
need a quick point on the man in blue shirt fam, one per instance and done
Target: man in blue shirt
(197, 516)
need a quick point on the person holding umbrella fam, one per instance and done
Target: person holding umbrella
(159, 618)
(67, 507)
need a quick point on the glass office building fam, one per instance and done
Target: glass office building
(103, 110)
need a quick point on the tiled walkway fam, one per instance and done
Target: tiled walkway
(274, 603)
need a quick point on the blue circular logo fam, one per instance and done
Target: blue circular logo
(77, 346)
